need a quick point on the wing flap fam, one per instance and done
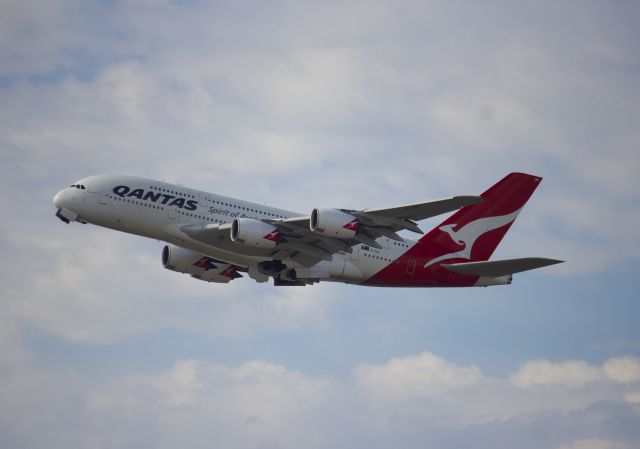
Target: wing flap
(497, 268)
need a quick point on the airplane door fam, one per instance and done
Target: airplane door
(355, 254)
(171, 212)
(103, 199)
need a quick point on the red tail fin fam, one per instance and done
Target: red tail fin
(474, 232)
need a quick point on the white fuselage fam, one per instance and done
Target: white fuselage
(159, 210)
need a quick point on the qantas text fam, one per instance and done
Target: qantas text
(169, 200)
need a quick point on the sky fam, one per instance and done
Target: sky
(298, 105)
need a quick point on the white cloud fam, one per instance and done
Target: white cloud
(416, 376)
(259, 403)
(572, 373)
(633, 398)
(623, 369)
(576, 373)
(179, 387)
(251, 404)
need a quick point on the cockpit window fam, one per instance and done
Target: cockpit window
(78, 186)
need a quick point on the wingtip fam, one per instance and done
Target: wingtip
(546, 262)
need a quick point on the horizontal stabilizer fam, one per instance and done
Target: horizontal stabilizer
(497, 268)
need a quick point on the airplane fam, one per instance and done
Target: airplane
(215, 238)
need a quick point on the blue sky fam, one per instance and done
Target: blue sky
(302, 105)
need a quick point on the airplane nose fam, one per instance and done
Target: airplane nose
(62, 201)
(57, 199)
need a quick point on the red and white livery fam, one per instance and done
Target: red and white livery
(213, 237)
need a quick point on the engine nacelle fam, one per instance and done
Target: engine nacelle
(333, 223)
(198, 266)
(254, 233)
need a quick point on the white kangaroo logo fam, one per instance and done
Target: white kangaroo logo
(469, 233)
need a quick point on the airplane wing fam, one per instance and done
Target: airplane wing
(421, 211)
(308, 248)
(379, 222)
(399, 217)
(300, 243)
(497, 268)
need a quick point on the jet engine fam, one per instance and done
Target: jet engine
(333, 223)
(254, 233)
(198, 266)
